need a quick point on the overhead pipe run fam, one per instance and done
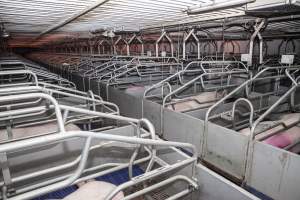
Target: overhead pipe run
(198, 26)
(218, 6)
(216, 24)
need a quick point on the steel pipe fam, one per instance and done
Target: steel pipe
(218, 6)
(257, 29)
(72, 18)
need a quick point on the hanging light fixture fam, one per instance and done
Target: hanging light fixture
(105, 33)
(4, 33)
(111, 34)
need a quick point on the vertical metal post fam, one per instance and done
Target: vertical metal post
(198, 49)
(127, 49)
(156, 49)
(172, 48)
(99, 52)
(143, 50)
(257, 29)
(183, 49)
(261, 59)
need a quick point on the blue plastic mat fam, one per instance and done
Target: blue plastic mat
(115, 178)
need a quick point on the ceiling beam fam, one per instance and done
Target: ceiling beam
(72, 18)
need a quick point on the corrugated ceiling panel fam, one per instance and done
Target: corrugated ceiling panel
(37, 15)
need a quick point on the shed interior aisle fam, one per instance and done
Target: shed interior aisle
(149, 99)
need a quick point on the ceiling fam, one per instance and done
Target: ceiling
(28, 19)
(37, 15)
